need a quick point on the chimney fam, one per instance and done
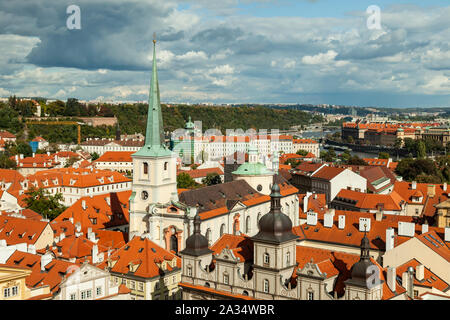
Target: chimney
(410, 283)
(431, 190)
(447, 234)
(405, 281)
(62, 236)
(444, 186)
(305, 201)
(425, 228)
(21, 156)
(83, 204)
(108, 200)
(364, 224)
(341, 222)
(406, 229)
(390, 238)
(311, 218)
(95, 254)
(71, 220)
(17, 158)
(413, 185)
(48, 153)
(391, 278)
(420, 272)
(328, 220)
(33, 154)
(379, 215)
(31, 249)
(45, 260)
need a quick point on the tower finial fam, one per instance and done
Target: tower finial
(154, 37)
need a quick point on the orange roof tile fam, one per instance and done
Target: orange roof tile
(116, 156)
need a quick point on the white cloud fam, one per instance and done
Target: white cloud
(321, 58)
(225, 69)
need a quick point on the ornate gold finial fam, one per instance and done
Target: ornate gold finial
(154, 37)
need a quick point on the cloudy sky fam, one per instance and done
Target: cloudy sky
(229, 51)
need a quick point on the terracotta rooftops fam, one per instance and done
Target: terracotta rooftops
(430, 280)
(116, 156)
(142, 258)
(370, 201)
(350, 234)
(76, 178)
(328, 173)
(6, 134)
(240, 245)
(99, 212)
(201, 173)
(18, 230)
(52, 276)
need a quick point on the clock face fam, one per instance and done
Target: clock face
(144, 195)
(259, 187)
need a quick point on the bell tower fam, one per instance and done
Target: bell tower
(154, 166)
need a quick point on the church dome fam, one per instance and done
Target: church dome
(196, 244)
(359, 272)
(275, 226)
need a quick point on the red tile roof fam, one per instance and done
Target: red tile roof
(201, 173)
(99, 211)
(240, 245)
(116, 156)
(146, 254)
(54, 271)
(6, 134)
(369, 201)
(328, 173)
(213, 291)
(19, 230)
(428, 280)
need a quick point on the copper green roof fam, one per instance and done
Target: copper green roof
(154, 135)
(252, 169)
(189, 124)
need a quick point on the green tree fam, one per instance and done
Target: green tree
(293, 162)
(212, 179)
(185, 181)
(383, 155)
(421, 150)
(94, 156)
(350, 139)
(302, 152)
(71, 161)
(42, 202)
(23, 148)
(6, 162)
(355, 160)
(398, 143)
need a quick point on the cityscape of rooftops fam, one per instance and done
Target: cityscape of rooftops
(234, 150)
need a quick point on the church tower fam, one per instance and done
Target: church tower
(274, 249)
(154, 167)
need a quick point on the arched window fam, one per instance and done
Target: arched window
(226, 278)
(145, 168)
(266, 258)
(288, 258)
(207, 285)
(258, 217)
(245, 293)
(247, 225)
(166, 165)
(222, 229)
(189, 271)
(266, 286)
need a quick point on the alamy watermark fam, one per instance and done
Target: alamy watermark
(374, 19)
(74, 19)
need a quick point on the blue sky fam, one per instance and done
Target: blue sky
(230, 51)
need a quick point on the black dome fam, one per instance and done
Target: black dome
(275, 226)
(196, 244)
(359, 274)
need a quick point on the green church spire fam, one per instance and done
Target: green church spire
(154, 135)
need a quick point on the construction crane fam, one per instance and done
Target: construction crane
(78, 124)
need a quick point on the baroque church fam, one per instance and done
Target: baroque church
(167, 218)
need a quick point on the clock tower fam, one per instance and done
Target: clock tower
(154, 167)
